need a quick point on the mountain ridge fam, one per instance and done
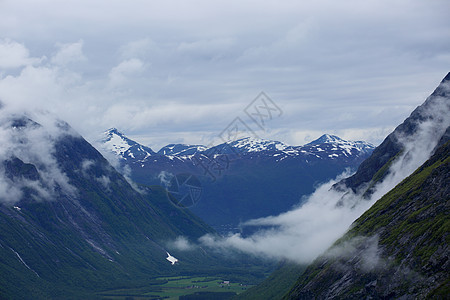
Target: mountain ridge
(118, 143)
(233, 189)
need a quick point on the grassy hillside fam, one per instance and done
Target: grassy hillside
(277, 284)
(398, 248)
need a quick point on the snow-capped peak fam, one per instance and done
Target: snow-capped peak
(336, 146)
(113, 130)
(181, 149)
(116, 142)
(332, 139)
(250, 144)
(325, 147)
(327, 138)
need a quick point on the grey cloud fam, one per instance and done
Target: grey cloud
(125, 71)
(163, 74)
(14, 55)
(69, 53)
(342, 60)
(141, 48)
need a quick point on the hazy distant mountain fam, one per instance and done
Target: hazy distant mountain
(243, 179)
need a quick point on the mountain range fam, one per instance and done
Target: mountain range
(325, 147)
(240, 179)
(73, 227)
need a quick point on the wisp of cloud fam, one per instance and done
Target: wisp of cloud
(31, 139)
(304, 232)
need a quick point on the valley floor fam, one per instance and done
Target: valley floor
(173, 288)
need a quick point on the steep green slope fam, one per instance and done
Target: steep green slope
(398, 248)
(102, 235)
(277, 284)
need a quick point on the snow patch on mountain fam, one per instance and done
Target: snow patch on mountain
(335, 147)
(171, 259)
(325, 147)
(181, 149)
(115, 142)
(249, 144)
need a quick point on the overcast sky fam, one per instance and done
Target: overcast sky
(181, 71)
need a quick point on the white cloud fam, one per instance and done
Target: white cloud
(182, 243)
(86, 165)
(165, 177)
(32, 144)
(138, 49)
(14, 55)
(365, 249)
(69, 53)
(126, 70)
(104, 181)
(305, 232)
(299, 235)
(339, 63)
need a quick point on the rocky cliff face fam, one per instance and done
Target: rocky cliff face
(397, 249)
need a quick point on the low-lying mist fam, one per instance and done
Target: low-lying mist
(306, 231)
